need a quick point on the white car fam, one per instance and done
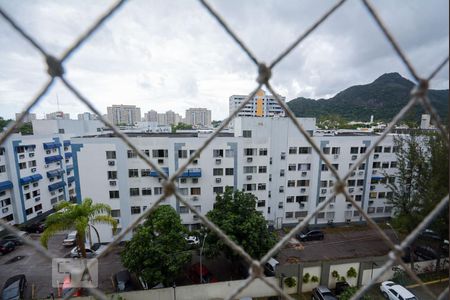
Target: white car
(192, 240)
(90, 252)
(393, 291)
(70, 239)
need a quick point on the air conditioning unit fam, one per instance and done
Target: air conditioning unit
(195, 217)
(58, 163)
(354, 157)
(331, 205)
(374, 171)
(353, 174)
(361, 173)
(111, 163)
(218, 161)
(112, 183)
(361, 189)
(218, 180)
(37, 199)
(372, 187)
(370, 202)
(349, 206)
(350, 190)
(195, 198)
(301, 205)
(249, 159)
(33, 170)
(376, 156)
(46, 166)
(336, 156)
(302, 190)
(195, 161)
(249, 177)
(304, 174)
(323, 191)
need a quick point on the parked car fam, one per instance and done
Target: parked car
(34, 228)
(6, 247)
(67, 288)
(425, 252)
(14, 288)
(71, 239)
(322, 293)
(16, 239)
(311, 235)
(194, 274)
(123, 282)
(341, 286)
(270, 266)
(90, 252)
(192, 240)
(430, 234)
(393, 291)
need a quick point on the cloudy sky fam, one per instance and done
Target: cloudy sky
(172, 55)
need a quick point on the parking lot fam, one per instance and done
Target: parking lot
(38, 272)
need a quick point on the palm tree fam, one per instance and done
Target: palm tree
(77, 216)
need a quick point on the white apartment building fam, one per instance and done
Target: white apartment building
(262, 105)
(28, 117)
(198, 117)
(57, 115)
(87, 116)
(124, 114)
(265, 156)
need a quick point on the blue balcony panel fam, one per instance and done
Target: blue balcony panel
(69, 168)
(53, 158)
(32, 178)
(5, 185)
(66, 143)
(51, 145)
(56, 186)
(54, 173)
(68, 155)
(153, 173)
(197, 172)
(70, 179)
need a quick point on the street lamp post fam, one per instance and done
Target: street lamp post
(201, 252)
(395, 232)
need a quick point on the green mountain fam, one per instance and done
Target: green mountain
(383, 99)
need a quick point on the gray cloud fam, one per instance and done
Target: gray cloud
(173, 55)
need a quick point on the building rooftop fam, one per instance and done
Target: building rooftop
(153, 134)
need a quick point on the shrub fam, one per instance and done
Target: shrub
(314, 279)
(335, 274)
(306, 278)
(351, 273)
(290, 282)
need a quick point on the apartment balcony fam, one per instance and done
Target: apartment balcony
(165, 170)
(29, 179)
(196, 172)
(55, 173)
(56, 186)
(54, 158)
(70, 179)
(51, 145)
(68, 155)
(66, 143)
(5, 185)
(69, 168)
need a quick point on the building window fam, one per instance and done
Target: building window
(292, 150)
(249, 151)
(376, 165)
(291, 183)
(371, 210)
(281, 189)
(110, 154)
(387, 149)
(134, 191)
(158, 190)
(262, 151)
(218, 172)
(184, 210)
(146, 152)
(302, 182)
(135, 210)
(247, 133)
(218, 189)
(351, 182)
(292, 167)
(283, 155)
(335, 150)
(324, 167)
(38, 207)
(304, 150)
(113, 194)
(290, 199)
(229, 171)
(354, 150)
(301, 199)
(336, 166)
(31, 163)
(159, 153)
(22, 165)
(29, 211)
(217, 153)
(112, 174)
(304, 167)
(182, 153)
(393, 164)
(358, 197)
(249, 169)
(133, 173)
(301, 214)
(326, 150)
(146, 192)
(2, 169)
(261, 186)
(249, 187)
(145, 172)
(362, 150)
(195, 191)
(378, 149)
(360, 182)
(261, 203)
(115, 213)
(282, 173)
(131, 154)
(229, 153)
(183, 191)
(289, 215)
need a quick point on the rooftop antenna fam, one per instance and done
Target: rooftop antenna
(57, 102)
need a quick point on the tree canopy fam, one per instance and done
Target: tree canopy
(422, 180)
(69, 216)
(158, 249)
(235, 213)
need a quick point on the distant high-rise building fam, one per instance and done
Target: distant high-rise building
(87, 116)
(198, 116)
(28, 117)
(151, 116)
(57, 115)
(262, 105)
(124, 114)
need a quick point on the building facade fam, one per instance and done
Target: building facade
(262, 105)
(57, 115)
(198, 117)
(124, 114)
(28, 117)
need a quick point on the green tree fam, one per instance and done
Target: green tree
(181, 126)
(421, 180)
(26, 128)
(235, 213)
(158, 250)
(70, 216)
(4, 123)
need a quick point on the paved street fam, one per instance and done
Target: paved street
(38, 271)
(338, 244)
